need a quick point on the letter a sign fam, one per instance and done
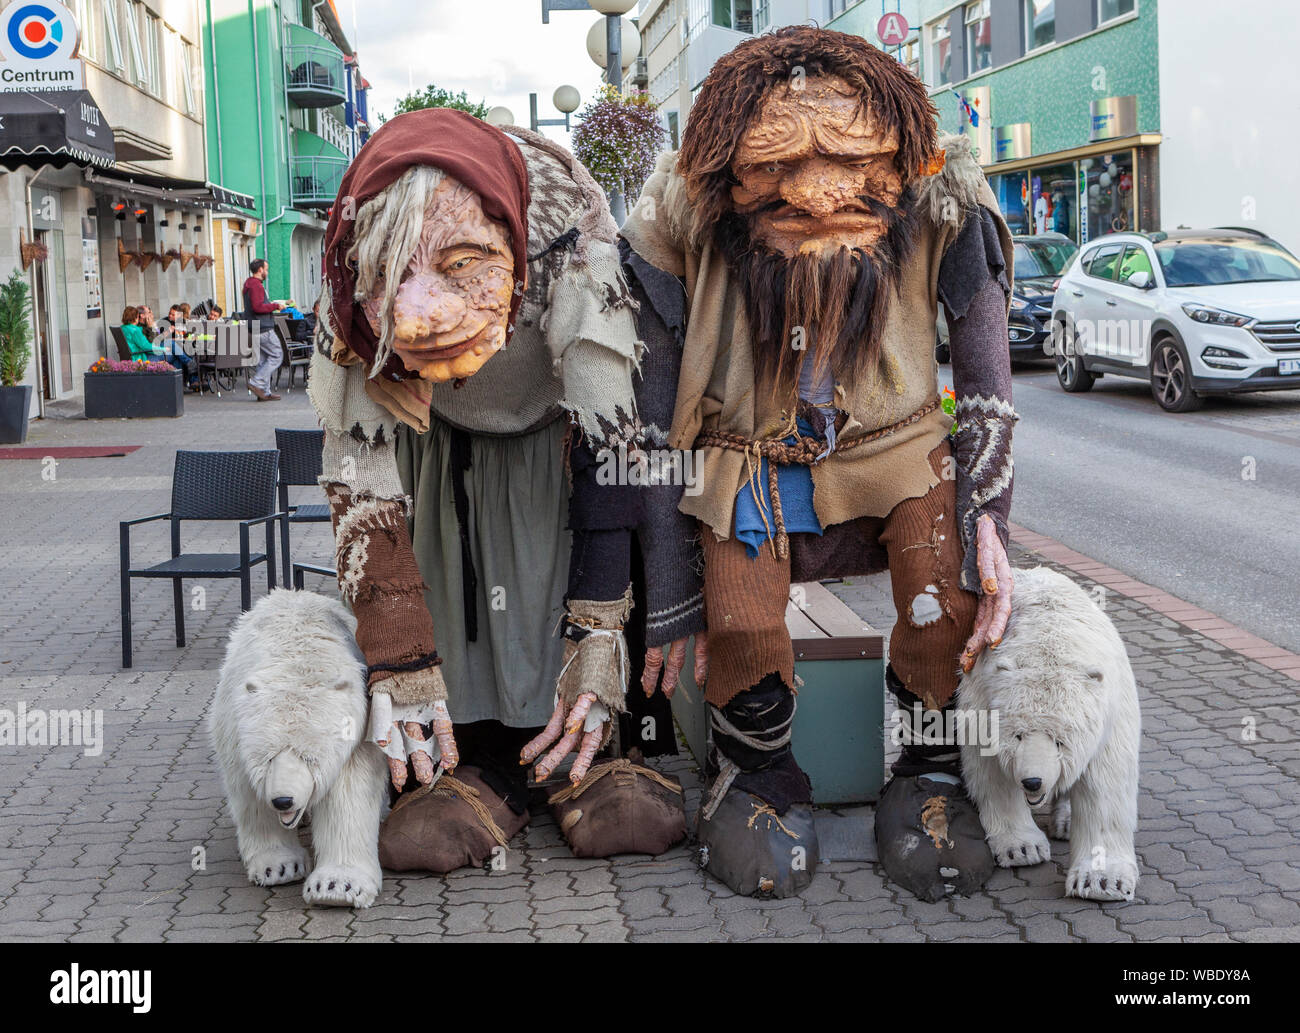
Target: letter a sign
(892, 30)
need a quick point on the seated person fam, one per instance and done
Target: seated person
(148, 324)
(172, 331)
(216, 312)
(139, 344)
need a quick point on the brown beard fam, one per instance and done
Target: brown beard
(840, 299)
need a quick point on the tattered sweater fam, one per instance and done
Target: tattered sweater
(962, 257)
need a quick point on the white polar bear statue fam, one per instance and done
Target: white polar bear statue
(287, 726)
(1068, 729)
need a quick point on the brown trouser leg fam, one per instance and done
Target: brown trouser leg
(745, 602)
(935, 616)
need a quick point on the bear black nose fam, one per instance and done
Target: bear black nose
(282, 803)
(1032, 785)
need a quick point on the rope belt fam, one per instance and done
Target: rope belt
(803, 451)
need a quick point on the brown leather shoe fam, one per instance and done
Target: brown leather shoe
(262, 396)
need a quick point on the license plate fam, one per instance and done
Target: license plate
(1285, 366)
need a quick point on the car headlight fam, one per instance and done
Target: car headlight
(1018, 303)
(1215, 316)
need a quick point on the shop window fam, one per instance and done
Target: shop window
(1040, 23)
(979, 41)
(1108, 10)
(940, 54)
(1012, 191)
(1106, 187)
(1053, 200)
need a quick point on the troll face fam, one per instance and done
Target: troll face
(799, 159)
(450, 307)
(816, 170)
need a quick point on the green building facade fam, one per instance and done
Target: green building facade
(281, 127)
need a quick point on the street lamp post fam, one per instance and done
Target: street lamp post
(565, 99)
(613, 10)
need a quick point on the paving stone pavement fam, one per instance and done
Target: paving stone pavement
(134, 843)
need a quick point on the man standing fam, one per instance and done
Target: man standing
(257, 306)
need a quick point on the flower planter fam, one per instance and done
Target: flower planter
(134, 395)
(14, 405)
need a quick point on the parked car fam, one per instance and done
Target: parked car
(1039, 262)
(1194, 312)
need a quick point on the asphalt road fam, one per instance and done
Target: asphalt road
(1204, 505)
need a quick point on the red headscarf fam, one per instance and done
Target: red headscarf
(479, 155)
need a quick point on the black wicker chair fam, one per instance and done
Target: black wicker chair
(209, 486)
(300, 464)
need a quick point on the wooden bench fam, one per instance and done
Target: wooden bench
(839, 730)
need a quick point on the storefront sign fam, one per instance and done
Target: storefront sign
(1012, 141)
(1113, 117)
(38, 47)
(892, 30)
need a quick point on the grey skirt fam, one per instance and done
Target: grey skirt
(519, 544)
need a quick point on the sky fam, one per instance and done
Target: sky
(496, 50)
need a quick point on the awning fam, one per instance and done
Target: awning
(53, 127)
(194, 192)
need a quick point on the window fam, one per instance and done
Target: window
(1135, 260)
(734, 14)
(1209, 261)
(834, 8)
(1040, 23)
(911, 56)
(1108, 10)
(188, 66)
(660, 25)
(979, 48)
(133, 13)
(762, 15)
(940, 54)
(151, 45)
(114, 56)
(91, 20)
(1102, 262)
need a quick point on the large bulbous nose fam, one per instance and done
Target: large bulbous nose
(1032, 785)
(283, 803)
(817, 186)
(425, 307)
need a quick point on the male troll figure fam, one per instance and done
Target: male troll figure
(477, 347)
(809, 227)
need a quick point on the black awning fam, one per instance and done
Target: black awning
(53, 127)
(196, 192)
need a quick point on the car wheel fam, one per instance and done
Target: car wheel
(1070, 373)
(1171, 378)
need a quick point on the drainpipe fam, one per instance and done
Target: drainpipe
(257, 86)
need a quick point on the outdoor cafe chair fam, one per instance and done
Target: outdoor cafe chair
(300, 464)
(209, 486)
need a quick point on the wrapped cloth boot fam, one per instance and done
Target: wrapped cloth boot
(928, 831)
(755, 826)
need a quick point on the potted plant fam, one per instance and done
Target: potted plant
(15, 353)
(139, 388)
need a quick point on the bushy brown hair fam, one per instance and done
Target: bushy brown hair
(740, 81)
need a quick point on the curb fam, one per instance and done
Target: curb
(1238, 640)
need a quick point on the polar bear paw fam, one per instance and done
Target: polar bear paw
(1019, 847)
(336, 885)
(1061, 819)
(276, 865)
(1116, 880)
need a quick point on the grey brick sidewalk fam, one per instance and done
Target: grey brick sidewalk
(136, 844)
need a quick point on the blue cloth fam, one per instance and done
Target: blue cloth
(794, 481)
(291, 312)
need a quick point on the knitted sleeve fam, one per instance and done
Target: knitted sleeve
(669, 539)
(377, 572)
(974, 285)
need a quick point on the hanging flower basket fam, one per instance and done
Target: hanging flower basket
(124, 257)
(32, 251)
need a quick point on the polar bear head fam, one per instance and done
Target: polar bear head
(1050, 683)
(293, 695)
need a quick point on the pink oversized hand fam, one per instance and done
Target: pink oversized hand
(572, 725)
(655, 662)
(995, 602)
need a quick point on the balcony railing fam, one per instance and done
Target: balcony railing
(315, 179)
(314, 72)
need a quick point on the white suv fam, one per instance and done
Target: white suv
(1195, 312)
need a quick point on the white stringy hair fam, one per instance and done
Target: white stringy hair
(385, 237)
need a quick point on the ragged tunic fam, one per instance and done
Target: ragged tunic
(490, 576)
(716, 390)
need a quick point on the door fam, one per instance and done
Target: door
(53, 333)
(1134, 308)
(1093, 301)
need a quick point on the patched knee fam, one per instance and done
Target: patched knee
(926, 608)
